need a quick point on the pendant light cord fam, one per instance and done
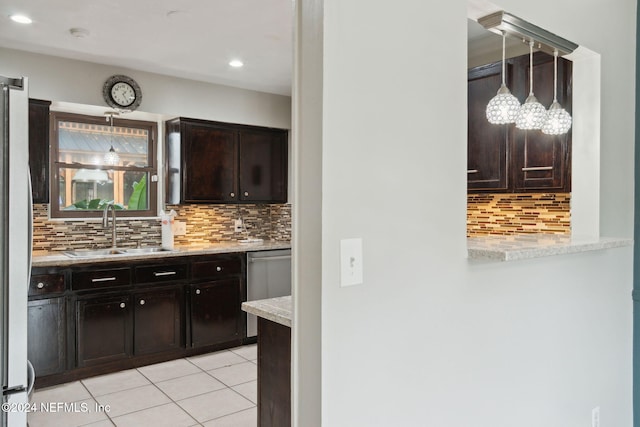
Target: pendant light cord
(504, 37)
(531, 67)
(555, 75)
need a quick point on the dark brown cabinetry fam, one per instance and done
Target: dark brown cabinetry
(46, 321)
(46, 335)
(89, 319)
(215, 298)
(212, 162)
(39, 149)
(502, 158)
(487, 144)
(103, 329)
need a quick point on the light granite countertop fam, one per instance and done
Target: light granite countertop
(277, 310)
(511, 248)
(58, 259)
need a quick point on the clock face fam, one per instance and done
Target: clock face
(122, 92)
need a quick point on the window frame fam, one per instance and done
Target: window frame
(55, 166)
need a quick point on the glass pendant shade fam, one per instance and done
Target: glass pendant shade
(532, 114)
(504, 107)
(558, 120)
(111, 157)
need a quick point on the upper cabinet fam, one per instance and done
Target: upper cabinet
(212, 162)
(502, 158)
(39, 149)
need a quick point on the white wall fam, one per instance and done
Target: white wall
(430, 338)
(72, 81)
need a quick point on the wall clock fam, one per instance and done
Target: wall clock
(122, 92)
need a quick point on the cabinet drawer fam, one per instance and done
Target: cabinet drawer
(99, 279)
(41, 284)
(161, 273)
(216, 267)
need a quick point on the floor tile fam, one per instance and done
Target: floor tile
(216, 404)
(247, 418)
(249, 352)
(236, 374)
(76, 414)
(216, 360)
(127, 401)
(119, 381)
(169, 415)
(69, 392)
(248, 390)
(189, 386)
(167, 370)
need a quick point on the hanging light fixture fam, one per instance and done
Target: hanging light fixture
(504, 107)
(557, 121)
(111, 157)
(532, 113)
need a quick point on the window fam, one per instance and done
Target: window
(83, 182)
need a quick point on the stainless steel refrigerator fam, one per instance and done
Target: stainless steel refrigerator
(15, 248)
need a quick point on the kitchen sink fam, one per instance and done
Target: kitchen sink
(94, 253)
(100, 253)
(149, 250)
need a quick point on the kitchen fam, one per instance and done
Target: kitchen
(344, 331)
(210, 239)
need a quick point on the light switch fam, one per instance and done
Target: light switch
(350, 262)
(179, 228)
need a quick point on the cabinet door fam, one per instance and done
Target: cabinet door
(46, 335)
(210, 163)
(542, 162)
(157, 320)
(487, 144)
(39, 149)
(215, 312)
(104, 329)
(263, 165)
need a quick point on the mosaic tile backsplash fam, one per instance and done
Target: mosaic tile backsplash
(518, 214)
(205, 224)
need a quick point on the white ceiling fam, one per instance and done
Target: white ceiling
(193, 39)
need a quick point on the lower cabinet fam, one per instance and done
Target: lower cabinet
(103, 329)
(215, 312)
(157, 320)
(46, 335)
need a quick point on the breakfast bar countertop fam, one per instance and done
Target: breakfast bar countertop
(277, 309)
(519, 247)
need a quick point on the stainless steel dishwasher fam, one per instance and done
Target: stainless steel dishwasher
(268, 276)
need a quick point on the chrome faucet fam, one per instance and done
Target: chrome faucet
(105, 222)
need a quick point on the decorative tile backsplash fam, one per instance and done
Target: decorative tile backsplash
(518, 214)
(205, 224)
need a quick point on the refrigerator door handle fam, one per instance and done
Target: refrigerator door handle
(13, 390)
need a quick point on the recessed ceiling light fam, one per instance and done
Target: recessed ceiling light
(236, 63)
(21, 19)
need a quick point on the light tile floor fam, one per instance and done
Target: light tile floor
(212, 390)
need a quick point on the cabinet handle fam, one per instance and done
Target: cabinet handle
(40, 285)
(246, 193)
(232, 194)
(537, 168)
(122, 305)
(197, 291)
(103, 279)
(141, 302)
(164, 273)
(472, 170)
(218, 268)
